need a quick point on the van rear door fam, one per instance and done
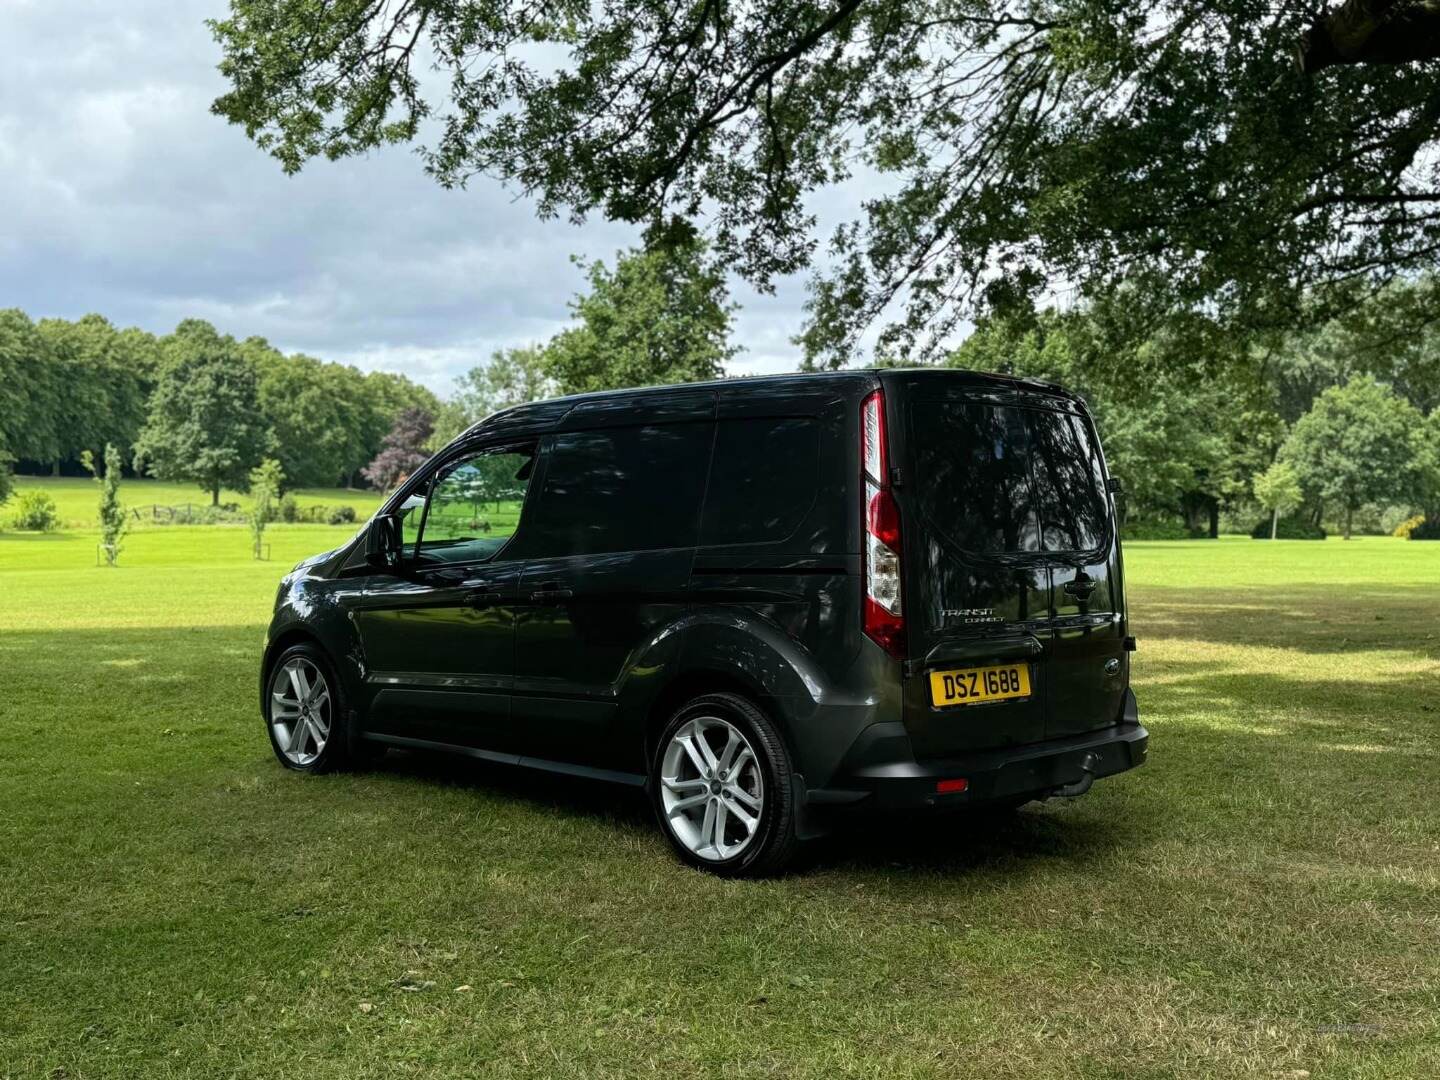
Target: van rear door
(1011, 574)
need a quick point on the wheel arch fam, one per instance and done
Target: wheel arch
(293, 635)
(696, 682)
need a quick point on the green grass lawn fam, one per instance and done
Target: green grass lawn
(1262, 898)
(76, 497)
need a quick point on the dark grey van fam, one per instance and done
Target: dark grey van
(766, 601)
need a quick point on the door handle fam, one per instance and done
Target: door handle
(481, 598)
(550, 592)
(1081, 587)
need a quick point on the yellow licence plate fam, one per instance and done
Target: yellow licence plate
(972, 686)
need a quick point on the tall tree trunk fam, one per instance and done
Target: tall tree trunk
(1214, 519)
(1274, 522)
(215, 494)
(1348, 513)
(55, 467)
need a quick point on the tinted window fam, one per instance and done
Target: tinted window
(998, 479)
(762, 481)
(474, 506)
(1068, 482)
(621, 489)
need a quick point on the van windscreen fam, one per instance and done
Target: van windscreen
(998, 479)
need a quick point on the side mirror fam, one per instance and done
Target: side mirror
(383, 541)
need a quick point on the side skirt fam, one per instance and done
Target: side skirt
(565, 768)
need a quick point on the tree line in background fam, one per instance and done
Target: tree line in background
(1209, 428)
(201, 406)
(192, 405)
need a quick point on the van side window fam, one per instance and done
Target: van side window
(762, 481)
(621, 489)
(474, 506)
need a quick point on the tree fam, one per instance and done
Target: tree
(266, 482)
(7, 476)
(403, 451)
(1277, 489)
(1429, 485)
(318, 436)
(1227, 155)
(383, 396)
(661, 316)
(108, 376)
(113, 522)
(510, 377)
(1360, 443)
(205, 423)
(31, 391)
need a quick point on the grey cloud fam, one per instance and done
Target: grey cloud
(125, 196)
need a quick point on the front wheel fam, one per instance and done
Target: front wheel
(721, 779)
(305, 710)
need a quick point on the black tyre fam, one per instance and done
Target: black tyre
(721, 780)
(306, 712)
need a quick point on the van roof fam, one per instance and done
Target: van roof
(866, 375)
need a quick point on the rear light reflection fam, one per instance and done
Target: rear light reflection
(952, 787)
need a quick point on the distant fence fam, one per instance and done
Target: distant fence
(231, 514)
(187, 513)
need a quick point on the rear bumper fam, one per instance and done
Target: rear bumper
(881, 773)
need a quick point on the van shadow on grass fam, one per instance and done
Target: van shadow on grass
(953, 841)
(107, 708)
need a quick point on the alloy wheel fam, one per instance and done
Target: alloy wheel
(712, 790)
(299, 710)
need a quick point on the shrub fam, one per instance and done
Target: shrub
(1158, 530)
(289, 509)
(1428, 529)
(35, 510)
(341, 515)
(1291, 528)
(1408, 526)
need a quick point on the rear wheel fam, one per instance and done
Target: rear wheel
(305, 711)
(721, 779)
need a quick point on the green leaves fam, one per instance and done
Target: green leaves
(1028, 142)
(1360, 443)
(662, 315)
(205, 423)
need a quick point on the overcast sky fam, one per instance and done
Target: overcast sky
(120, 193)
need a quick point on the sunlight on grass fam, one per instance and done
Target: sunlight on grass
(1263, 897)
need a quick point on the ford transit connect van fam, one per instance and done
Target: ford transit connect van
(766, 601)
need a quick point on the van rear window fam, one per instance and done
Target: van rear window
(997, 479)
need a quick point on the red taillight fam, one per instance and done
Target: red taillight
(883, 519)
(884, 621)
(951, 787)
